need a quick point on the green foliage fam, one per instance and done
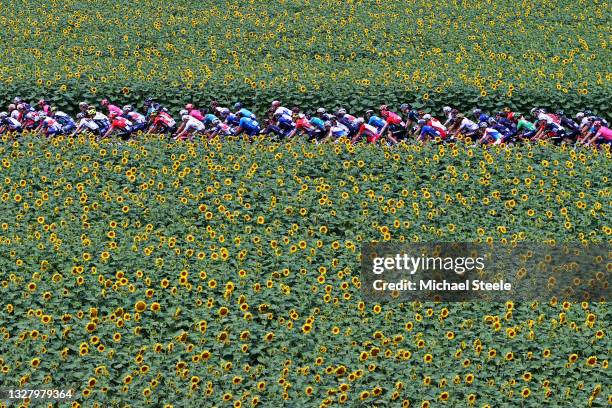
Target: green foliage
(251, 254)
(358, 54)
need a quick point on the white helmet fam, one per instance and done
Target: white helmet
(427, 116)
(186, 117)
(580, 115)
(359, 120)
(321, 110)
(342, 111)
(446, 109)
(127, 108)
(183, 113)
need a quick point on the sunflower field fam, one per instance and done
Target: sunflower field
(204, 274)
(356, 53)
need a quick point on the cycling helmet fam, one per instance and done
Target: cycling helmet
(183, 112)
(483, 125)
(301, 116)
(369, 112)
(20, 106)
(327, 124)
(11, 107)
(148, 101)
(492, 121)
(83, 105)
(17, 100)
(405, 106)
(275, 103)
(41, 102)
(104, 102)
(426, 116)
(189, 106)
(341, 112)
(185, 117)
(3, 115)
(127, 108)
(533, 111)
(460, 116)
(588, 113)
(321, 110)
(446, 109)
(477, 111)
(383, 108)
(421, 121)
(53, 109)
(580, 115)
(237, 106)
(560, 112)
(91, 111)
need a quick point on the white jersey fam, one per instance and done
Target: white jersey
(468, 125)
(87, 123)
(52, 124)
(15, 114)
(136, 117)
(193, 124)
(12, 123)
(281, 110)
(543, 116)
(222, 111)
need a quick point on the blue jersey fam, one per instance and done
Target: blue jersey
(286, 122)
(429, 131)
(377, 122)
(483, 117)
(247, 113)
(318, 123)
(233, 120)
(209, 119)
(249, 125)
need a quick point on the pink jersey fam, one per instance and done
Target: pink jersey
(115, 109)
(605, 132)
(196, 114)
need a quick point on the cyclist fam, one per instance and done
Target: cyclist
(68, 125)
(48, 126)
(139, 122)
(44, 106)
(244, 112)
(335, 130)
(396, 126)
(119, 123)
(489, 135)
(572, 129)
(111, 108)
(162, 122)
(277, 108)
(601, 135)
(248, 126)
(192, 111)
(9, 124)
(464, 126)
(86, 124)
(371, 132)
(303, 126)
(479, 115)
(349, 121)
(411, 117)
(435, 123)
(426, 131)
(100, 119)
(219, 128)
(218, 110)
(189, 126)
